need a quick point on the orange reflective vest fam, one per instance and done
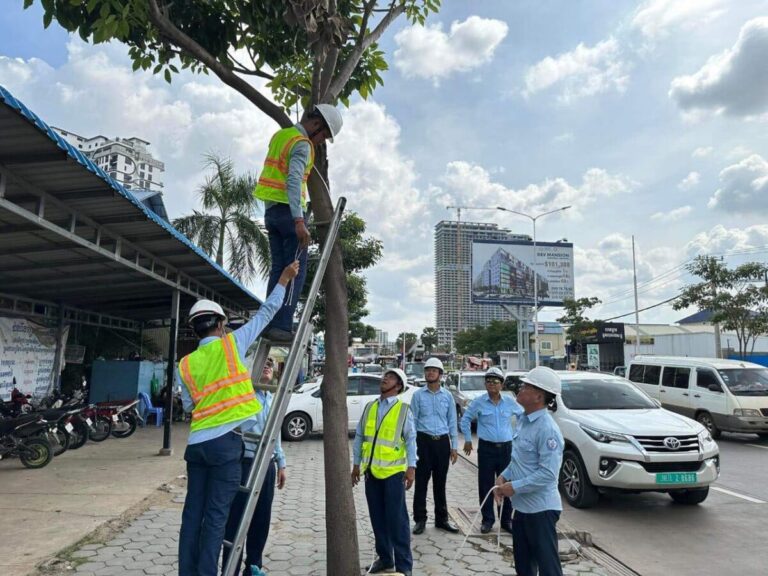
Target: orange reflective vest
(273, 179)
(219, 383)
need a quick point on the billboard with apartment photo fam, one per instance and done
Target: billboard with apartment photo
(504, 272)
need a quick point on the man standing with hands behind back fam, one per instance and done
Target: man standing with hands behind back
(434, 413)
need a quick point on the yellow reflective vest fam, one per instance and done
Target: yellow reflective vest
(273, 179)
(219, 383)
(387, 456)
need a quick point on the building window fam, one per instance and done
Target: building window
(546, 345)
(113, 174)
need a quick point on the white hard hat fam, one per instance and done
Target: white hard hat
(206, 308)
(434, 363)
(495, 372)
(544, 378)
(400, 374)
(332, 118)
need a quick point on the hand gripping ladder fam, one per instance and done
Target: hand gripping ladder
(282, 395)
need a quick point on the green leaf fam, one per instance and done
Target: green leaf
(167, 75)
(47, 18)
(28, 3)
(92, 6)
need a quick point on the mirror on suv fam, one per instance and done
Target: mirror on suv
(715, 388)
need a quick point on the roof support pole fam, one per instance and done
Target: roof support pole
(55, 380)
(173, 334)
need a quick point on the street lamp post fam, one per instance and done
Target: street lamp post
(535, 266)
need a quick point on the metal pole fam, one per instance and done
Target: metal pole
(459, 277)
(535, 297)
(59, 349)
(637, 313)
(173, 334)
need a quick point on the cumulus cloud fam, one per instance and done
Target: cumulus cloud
(702, 152)
(584, 71)
(743, 187)
(429, 52)
(657, 18)
(734, 83)
(720, 240)
(672, 215)
(468, 184)
(689, 181)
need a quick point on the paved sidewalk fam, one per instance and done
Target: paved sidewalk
(296, 545)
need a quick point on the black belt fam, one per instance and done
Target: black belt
(426, 436)
(496, 444)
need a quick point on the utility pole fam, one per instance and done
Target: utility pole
(716, 325)
(637, 313)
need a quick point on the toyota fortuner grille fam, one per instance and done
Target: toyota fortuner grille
(669, 444)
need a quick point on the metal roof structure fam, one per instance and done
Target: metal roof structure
(72, 236)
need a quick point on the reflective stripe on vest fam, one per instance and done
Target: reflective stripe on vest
(219, 384)
(274, 176)
(389, 452)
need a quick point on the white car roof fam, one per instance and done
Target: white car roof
(717, 363)
(584, 375)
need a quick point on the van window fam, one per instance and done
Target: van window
(651, 375)
(706, 377)
(636, 372)
(675, 377)
(746, 381)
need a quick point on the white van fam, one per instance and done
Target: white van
(724, 395)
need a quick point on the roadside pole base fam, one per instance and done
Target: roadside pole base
(165, 452)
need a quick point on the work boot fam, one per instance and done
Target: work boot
(418, 527)
(507, 526)
(379, 566)
(279, 335)
(448, 526)
(256, 571)
(486, 527)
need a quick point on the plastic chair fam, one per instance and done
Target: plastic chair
(148, 409)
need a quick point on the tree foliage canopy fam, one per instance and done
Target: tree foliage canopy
(498, 335)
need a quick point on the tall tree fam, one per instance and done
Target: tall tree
(580, 326)
(736, 301)
(312, 51)
(227, 228)
(410, 340)
(429, 338)
(498, 335)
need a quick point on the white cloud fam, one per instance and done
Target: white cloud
(743, 187)
(657, 18)
(562, 138)
(429, 52)
(672, 215)
(689, 181)
(721, 240)
(734, 83)
(468, 184)
(584, 71)
(702, 152)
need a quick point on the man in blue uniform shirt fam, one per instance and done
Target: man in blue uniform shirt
(530, 480)
(434, 414)
(493, 412)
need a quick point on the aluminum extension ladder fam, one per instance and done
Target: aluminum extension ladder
(282, 395)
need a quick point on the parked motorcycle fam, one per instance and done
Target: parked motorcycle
(21, 437)
(125, 416)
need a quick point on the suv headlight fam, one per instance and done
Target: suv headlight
(705, 437)
(747, 412)
(604, 436)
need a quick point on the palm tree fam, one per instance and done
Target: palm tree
(227, 223)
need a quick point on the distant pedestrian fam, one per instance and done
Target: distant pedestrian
(531, 478)
(434, 413)
(384, 451)
(493, 412)
(258, 531)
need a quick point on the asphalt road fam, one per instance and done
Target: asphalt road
(723, 535)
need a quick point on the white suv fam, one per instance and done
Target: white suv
(617, 438)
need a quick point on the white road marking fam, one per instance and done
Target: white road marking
(737, 495)
(758, 446)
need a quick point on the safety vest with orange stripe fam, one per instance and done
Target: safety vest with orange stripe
(273, 179)
(219, 384)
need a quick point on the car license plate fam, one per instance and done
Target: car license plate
(676, 478)
(68, 427)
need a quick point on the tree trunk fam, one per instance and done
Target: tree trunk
(343, 556)
(220, 251)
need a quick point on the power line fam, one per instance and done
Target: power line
(667, 301)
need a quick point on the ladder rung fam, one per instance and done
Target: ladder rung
(251, 437)
(227, 544)
(244, 489)
(267, 387)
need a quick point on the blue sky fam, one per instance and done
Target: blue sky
(649, 117)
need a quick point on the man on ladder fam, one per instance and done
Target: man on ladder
(218, 392)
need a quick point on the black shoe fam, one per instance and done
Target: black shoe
(486, 527)
(448, 526)
(279, 335)
(406, 572)
(418, 527)
(379, 566)
(507, 526)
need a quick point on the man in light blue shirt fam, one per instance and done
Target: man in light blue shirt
(493, 412)
(434, 413)
(258, 530)
(530, 480)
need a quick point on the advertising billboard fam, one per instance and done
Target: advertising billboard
(504, 272)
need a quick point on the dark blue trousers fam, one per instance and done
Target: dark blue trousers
(283, 244)
(534, 538)
(213, 476)
(389, 518)
(258, 531)
(492, 460)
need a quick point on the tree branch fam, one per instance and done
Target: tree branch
(349, 65)
(240, 69)
(227, 75)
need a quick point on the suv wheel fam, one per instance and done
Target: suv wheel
(296, 427)
(691, 496)
(574, 482)
(706, 420)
